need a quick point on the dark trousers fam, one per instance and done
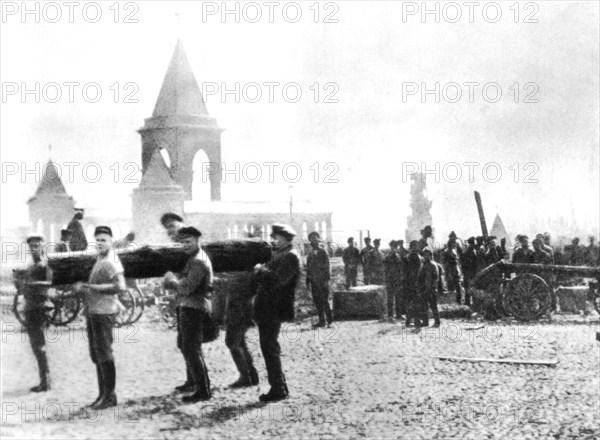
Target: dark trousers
(395, 300)
(190, 323)
(235, 339)
(453, 278)
(320, 294)
(430, 301)
(351, 274)
(36, 322)
(100, 337)
(268, 333)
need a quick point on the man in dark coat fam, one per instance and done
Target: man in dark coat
(453, 276)
(317, 279)
(193, 287)
(427, 282)
(364, 260)
(78, 242)
(414, 306)
(394, 277)
(277, 281)
(351, 258)
(375, 263)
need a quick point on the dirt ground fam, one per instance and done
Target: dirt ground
(359, 379)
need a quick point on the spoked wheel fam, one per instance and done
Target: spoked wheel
(527, 297)
(127, 308)
(139, 304)
(67, 305)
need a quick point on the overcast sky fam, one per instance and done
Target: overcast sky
(373, 131)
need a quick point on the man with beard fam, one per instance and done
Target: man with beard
(35, 287)
(101, 303)
(78, 242)
(351, 258)
(193, 286)
(274, 304)
(317, 279)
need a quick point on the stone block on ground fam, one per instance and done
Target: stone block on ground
(360, 302)
(572, 299)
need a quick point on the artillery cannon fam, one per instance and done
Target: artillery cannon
(531, 292)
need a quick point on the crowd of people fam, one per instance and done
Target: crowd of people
(414, 277)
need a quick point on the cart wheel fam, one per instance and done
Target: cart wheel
(139, 304)
(19, 307)
(66, 307)
(527, 297)
(127, 308)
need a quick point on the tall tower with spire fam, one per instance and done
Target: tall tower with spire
(51, 208)
(181, 125)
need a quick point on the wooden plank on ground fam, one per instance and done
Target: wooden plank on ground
(546, 362)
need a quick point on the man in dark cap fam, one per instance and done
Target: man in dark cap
(364, 260)
(317, 279)
(172, 223)
(102, 306)
(65, 237)
(274, 304)
(35, 285)
(523, 254)
(493, 252)
(351, 258)
(78, 242)
(426, 234)
(394, 274)
(193, 286)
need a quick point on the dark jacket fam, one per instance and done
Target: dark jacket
(351, 257)
(276, 287)
(317, 266)
(78, 242)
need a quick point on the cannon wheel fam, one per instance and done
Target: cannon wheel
(527, 297)
(126, 313)
(66, 307)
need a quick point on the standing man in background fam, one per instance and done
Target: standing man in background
(78, 242)
(351, 258)
(317, 279)
(364, 260)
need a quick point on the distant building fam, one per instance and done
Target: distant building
(420, 207)
(51, 208)
(499, 231)
(180, 127)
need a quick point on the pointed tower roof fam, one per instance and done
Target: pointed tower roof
(50, 183)
(499, 230)
(158, 173)
(180, 94)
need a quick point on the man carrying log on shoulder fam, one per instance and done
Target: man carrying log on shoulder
(193, 286)
(274, 304)
(35, 286)
(102, 306)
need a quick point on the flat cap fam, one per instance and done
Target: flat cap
(78, 207)
(34, 237)
(523, 238)
(471, 240)
(189, 231)
(350, 239)
(170, 216)
(284, 230)
(66, 232)
(491, 237)
(377, 240)
(103, 230)
(314, 234)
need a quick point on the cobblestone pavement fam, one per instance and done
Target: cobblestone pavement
(359, 379)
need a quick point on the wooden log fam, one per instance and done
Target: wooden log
(155, 261)
(549, 363)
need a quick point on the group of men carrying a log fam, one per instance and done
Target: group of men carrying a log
(271, 285)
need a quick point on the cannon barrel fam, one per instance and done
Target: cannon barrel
(576, 270)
